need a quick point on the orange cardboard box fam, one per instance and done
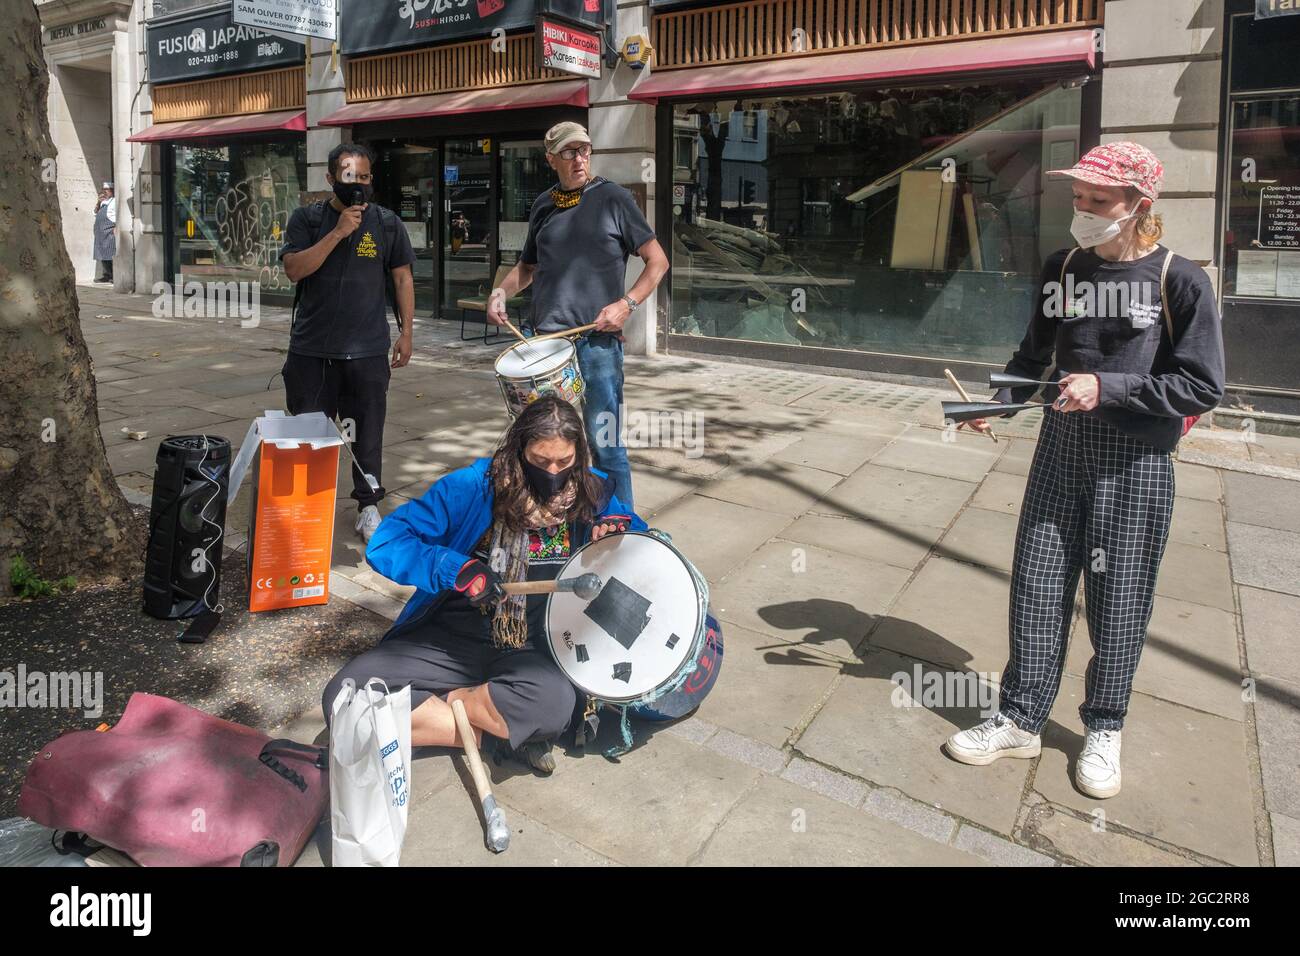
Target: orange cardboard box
(292, 465)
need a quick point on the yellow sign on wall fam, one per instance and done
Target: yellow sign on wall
(189, 228)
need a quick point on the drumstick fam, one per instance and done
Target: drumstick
(586, 586)
(496, 832)
(965, 398)
(563, 333)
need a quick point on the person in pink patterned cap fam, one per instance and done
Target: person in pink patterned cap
(1134, 335)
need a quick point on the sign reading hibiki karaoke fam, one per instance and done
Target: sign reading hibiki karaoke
(371, 25)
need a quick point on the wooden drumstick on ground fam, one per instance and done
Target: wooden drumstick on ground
(495, 833)
(964, 397)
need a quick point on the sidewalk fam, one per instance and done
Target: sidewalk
(844, 541)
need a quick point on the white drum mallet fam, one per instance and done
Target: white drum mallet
(496, 832)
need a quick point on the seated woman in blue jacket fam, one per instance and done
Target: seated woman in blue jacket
(516, 516)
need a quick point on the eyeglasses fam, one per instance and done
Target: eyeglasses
(574, 153)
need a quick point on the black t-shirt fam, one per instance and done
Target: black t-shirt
(343, 311)
(548, 550)
(1108, 318)
(581, 253)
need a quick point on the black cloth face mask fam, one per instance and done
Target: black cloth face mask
(348, 193)
(545, 485)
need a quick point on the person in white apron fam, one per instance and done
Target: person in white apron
(106, 231)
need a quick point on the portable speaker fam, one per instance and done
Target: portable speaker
(182, 572)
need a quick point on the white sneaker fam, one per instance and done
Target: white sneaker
(1097, 772)
(996, 737)
(367, 522)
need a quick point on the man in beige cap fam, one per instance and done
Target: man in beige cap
(580, 235)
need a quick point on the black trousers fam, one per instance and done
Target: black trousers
(531, 693)
(354, 390)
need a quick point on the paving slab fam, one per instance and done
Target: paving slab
(1018, 456)
(762, 693)
(1277, 726)
(1271, 622)
(1198, 523)
(890, 496)
(902, 545)
(780, 824)
(716, 536)
(656, 806)
(938, 452)
(987, 538)
(1195, 573)
(863, 732)
(1267, 502)
(1000, 492)
(998, 850)
(798, 593)
(951, 614)
(839, 447)
(1186, 778)
(1286, 840)
(1265, 557)
(653, 489)
(1196, 481)
(778, 487)
(1092, 841)
(1190, 658)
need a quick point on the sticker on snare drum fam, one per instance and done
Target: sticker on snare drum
(672, 641)
(581, 650)
(623, 671)
(620, 612)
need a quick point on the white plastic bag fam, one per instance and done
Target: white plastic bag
(370, 780)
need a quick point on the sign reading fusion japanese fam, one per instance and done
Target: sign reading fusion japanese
(214, 44)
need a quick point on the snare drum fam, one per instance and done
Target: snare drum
(641, 637)
(528, 371)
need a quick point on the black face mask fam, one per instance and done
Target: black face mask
(545, 485)
(354, 194)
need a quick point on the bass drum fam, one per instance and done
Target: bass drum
(691, 694)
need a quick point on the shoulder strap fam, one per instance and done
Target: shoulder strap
(1065, 265)
(1164, 296)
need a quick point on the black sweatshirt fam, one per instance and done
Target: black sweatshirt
(1107, 319)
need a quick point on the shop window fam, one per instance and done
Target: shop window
(231, 207)
(1261, 250)
(912, 221)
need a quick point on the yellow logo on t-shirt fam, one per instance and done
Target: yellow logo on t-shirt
(367, 247)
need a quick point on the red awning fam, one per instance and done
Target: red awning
(837, 69)
(530, 96)
(290, 120)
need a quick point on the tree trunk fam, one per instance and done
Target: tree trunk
(60, 507)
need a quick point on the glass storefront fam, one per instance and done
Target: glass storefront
(465, 203)
(1260, 208)
(910, 221)
(230, 208)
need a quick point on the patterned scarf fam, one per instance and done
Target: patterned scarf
(568, 198)
(508, 556)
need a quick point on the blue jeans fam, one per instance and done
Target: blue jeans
(600, 358)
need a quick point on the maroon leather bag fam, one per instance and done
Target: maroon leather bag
(173, 786)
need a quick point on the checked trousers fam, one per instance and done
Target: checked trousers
(1097, 503)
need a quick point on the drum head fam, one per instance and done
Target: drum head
(641, 630)
(526, 360)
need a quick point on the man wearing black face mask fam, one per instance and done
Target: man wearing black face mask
(340, 254)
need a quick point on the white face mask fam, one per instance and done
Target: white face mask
(1091, 230)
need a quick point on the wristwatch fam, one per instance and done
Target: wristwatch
(631, 303)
